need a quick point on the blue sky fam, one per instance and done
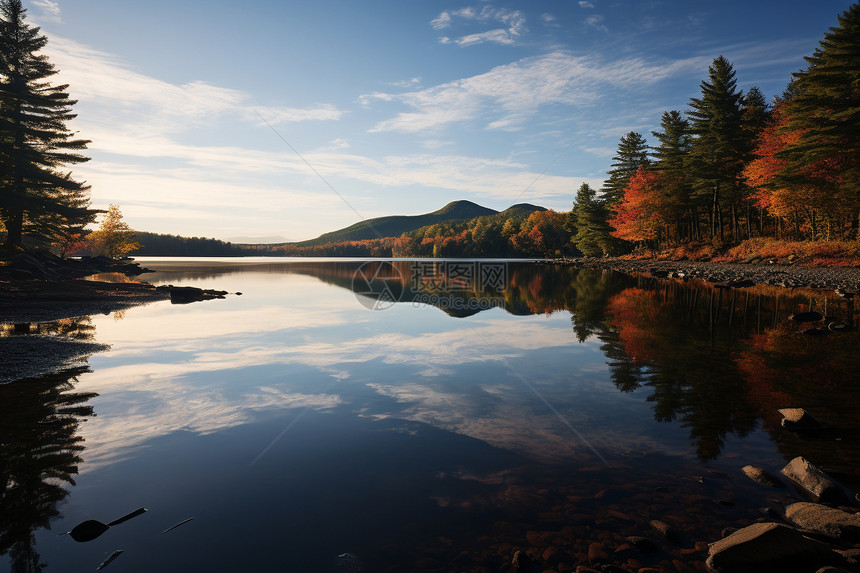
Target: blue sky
(211, 118)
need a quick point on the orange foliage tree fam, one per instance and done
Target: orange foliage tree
(638, 216)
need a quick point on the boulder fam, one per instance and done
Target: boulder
(800, 420)
(815, 482)
(762, 476)
(825, 520)
(768, 546)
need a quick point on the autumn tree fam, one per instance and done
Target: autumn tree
(718, 151)
(114, 238)
(825, 115)
(36, 194)
(632, 153)
(637, 216)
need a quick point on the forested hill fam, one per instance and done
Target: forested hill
(396, 225)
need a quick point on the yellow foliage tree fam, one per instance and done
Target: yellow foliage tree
(114, 238)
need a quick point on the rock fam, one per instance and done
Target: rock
(852, 556)
(521, 561)
(806, 317)
(762, 476)
(825, 520)
(765, 547)
(727, 531)
(800, 419)
(815, 482)
(185, 295)
(643, 544)
(664, 529)
(348, 563)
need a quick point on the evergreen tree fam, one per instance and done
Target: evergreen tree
(825, 111)
(592, 235)
(672, 156)
(35, 194)
(632, 153)
(718, 152)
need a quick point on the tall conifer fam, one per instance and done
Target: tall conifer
(825, 111)
(632, 153)
(36, 194)
(717, 155)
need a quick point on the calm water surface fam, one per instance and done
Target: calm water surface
(448, 416)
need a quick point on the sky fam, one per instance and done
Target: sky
(266, 120)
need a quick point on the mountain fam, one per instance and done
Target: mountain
(396, 225)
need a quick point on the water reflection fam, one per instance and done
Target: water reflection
(715, 360)
(40, 449)
(294, 399)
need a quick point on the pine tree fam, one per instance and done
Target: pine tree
(592, 235)
(672, 157)
(825, 111)
(718, 154)
(36, 195)
(632, 153)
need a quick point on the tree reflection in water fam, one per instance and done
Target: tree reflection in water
(39, 449)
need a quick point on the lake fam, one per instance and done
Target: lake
(419, 415)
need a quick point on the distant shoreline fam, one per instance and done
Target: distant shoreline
(47, 299)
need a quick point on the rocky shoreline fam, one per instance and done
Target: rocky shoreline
(845, 279)
(41, 287)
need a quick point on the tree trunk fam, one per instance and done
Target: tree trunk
(715, 211)
(14, 230)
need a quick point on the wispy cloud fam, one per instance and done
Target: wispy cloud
(509, 94)
(596, 22)
(410, 83)
(585, 4)
(513, 20)
(320, 112)
(49, 10)
(101, 78)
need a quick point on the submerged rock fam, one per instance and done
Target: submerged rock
(814, 482)
(800, 419)
(643, 544)
(185, 295)
(767, 547)
(664, 529)
(825, 520)
(762, 476)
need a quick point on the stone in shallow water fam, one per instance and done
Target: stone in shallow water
(825, 520)
(766, 547)
(762, 476)
(814, 481)
(664, 529)
(800, 419)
